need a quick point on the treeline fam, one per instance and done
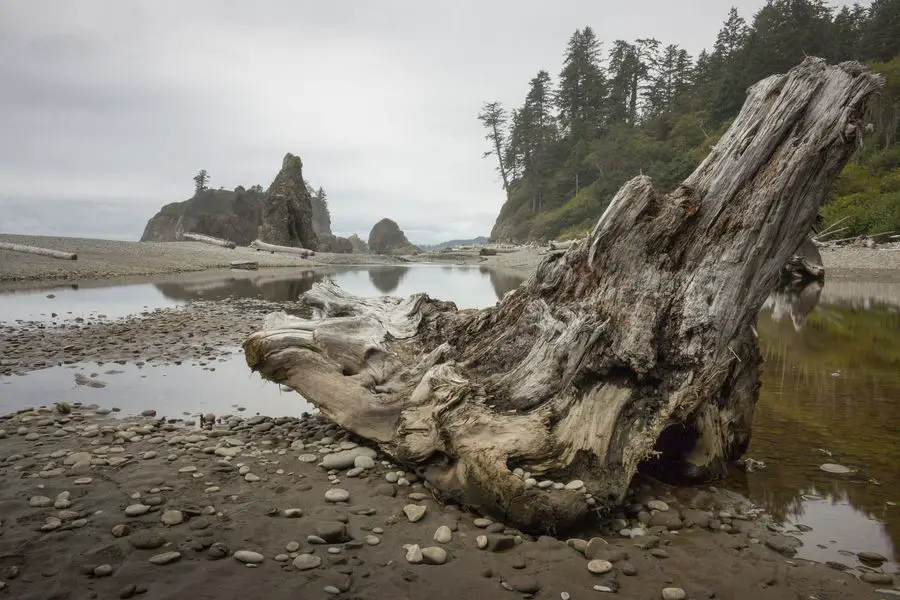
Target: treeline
(647, 107)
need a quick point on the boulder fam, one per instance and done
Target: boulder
(230, 215)
(287, 209)
(386, 237)
(334, 243)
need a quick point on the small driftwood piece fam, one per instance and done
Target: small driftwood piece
(208, 239)
(634, 347)
(247, 265)
(39, 251)
(553, 245)
(261, 245)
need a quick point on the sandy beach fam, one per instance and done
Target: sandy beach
(98, 507)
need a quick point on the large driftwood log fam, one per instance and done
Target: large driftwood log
(208, 239)
(39, 251)
(635, 346)
(261, 245)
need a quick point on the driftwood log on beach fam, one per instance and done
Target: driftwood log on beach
(634, 347)
(208, 239)
(39, 251)
(261, 245)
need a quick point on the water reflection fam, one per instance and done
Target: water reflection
(830, 387)
(503, 282)
(387, 279)
(278, 287)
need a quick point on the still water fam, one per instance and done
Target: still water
(830, 393)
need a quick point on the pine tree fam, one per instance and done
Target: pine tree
(494, 118)
(582, 87)
(200, 181)
(880, 38)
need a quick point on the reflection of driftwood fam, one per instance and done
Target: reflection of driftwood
(38, 251)
(208, 239)
(805, 264)
(634, 345)
(247, 265)
(795, 298)
(261, 245)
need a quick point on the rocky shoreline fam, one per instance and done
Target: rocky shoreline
(212, 507)
(104, 259)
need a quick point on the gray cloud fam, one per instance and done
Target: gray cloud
(108, 108)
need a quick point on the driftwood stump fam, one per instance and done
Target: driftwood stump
(634, 346)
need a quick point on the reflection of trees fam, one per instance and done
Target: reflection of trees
(831, 385)
(274, 288)
(387, 279)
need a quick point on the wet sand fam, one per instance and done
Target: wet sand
(97, 507)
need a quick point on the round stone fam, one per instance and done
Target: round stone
(434, 555)
(372, 540)
(136, 510)
(673, 593)
(337, 495)
(599, 566)
(308, 458)
(443, 534)
(103, 571)
(293, 513)
(82, 481)
(364, 462)
(292, 546)
(658, 505)
(40, 502)
(171, 518)
(576, 484)
(249, 557)
(305, 562)
(481, 541)
(481, 523)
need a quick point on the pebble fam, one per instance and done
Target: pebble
(308, 458)
(292, 546)
(337, 495)
(136, 510)
(443, 534)
(40, 501)
(330, 589)
(481, 541)
(599, 566)
(165, 558)
(871, 557)
(414, 512)
(364, 462)
(372, 540)
(83, 481)
(251, 477)
(481, 523)
(524, 584)
(249, 557)
(103, 571)
(305, 562)
(146, 539)
(878, 578)
(414, 554)
(602, 588)
(576, 484)
(172, 517)
(434, 555)
(673, 593)
(660, 506)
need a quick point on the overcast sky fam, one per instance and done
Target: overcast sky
(108, 108)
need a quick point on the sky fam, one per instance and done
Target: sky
(108, 108)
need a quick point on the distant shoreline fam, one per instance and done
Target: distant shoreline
(106, 259)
